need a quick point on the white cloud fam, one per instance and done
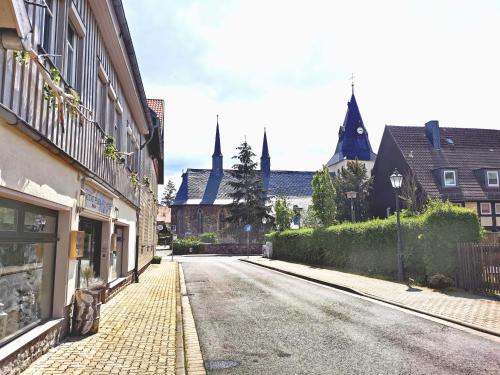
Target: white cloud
(286, 64)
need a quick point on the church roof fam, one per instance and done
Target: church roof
(265, 148)
(351, 144)
(200, 186)
(217, 149)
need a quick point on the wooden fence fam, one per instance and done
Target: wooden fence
(479, 267)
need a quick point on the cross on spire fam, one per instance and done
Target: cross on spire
(352, 82)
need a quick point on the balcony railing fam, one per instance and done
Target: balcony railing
(21, 92)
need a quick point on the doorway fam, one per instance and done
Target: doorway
(115, 256)
(91, 246)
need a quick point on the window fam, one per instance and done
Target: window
(485, 208)
(497, 209)
(48, 26)
(118, 128)
(492, 178)
(450, 178)
(110, 124)
(27, 252)
(71, 55)
(199, 217)
(101, 101)
(222, 220)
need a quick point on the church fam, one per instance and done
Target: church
(203, 199)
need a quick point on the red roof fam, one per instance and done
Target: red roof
(157, 105)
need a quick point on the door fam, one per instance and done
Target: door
(91, 247)
(115, 256)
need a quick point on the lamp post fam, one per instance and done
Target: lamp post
(351, 195)
(397, 181)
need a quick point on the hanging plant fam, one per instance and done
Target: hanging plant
(134, 180)
(48, 93)
(22, 57)
(110, 150)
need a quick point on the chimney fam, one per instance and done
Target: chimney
(432, 133)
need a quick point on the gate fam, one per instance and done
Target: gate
(479, 267)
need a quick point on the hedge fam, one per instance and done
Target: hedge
(429, 243)
(182, 246)
(208, 237)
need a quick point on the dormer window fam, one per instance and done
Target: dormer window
(450, 178)
(492, 178)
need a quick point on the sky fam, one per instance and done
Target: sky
(286, 66)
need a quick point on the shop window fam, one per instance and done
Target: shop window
(8, 219)
(485, 208)
(27, 255)
(497, 209)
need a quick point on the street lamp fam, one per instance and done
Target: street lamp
(351, 195)
(397, 181)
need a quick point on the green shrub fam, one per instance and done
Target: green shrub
(429, 243)
(209, 237)
(156, 259)
(182, 246)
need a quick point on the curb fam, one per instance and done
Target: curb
(371, 296)
(179, 332)
(193, 359)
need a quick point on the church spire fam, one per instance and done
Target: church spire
(265, 159)
(217, 168)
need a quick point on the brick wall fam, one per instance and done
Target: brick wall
(231, 249)
(22, 358)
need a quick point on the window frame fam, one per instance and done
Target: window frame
(483, 213)
(445, 171)
(488, 179)
(497, 209)
(47, 34)
(71, 77)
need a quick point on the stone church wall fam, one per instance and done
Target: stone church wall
(186, 219)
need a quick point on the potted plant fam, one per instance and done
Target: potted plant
(156, 259)
(87, 304)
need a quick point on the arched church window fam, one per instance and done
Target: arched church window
(199, 217)
(222, 220)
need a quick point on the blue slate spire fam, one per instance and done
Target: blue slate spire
(217, 168)
(353, 140)
(265, 159)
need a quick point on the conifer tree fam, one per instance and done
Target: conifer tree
(323, 197)
(249, 204)
(353, 177)
(168, 194)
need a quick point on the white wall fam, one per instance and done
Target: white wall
(128, 218)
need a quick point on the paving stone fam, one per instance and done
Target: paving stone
(136, 334)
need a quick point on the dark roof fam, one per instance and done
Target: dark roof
(467, 150)
(217, 149)
(352, 145)
(200, 186)
(265, 148)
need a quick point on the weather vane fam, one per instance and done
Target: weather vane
(352, 82)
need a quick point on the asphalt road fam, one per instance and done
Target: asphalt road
(252, 320)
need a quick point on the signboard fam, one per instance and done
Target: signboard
(77, 241)
(247, 228)
(96, 201)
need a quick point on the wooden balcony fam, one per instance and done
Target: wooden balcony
(21, 94)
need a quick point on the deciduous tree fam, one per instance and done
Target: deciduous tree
(323, 197)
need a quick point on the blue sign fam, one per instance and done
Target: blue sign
(247, 228)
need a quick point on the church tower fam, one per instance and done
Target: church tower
(265, 159)
(353, 141)
(217, 168)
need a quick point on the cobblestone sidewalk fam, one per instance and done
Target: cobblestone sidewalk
(475, 311)
(136, 333)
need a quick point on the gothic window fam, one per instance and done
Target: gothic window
(222, 220)
(199, 220)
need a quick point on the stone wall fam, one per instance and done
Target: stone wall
(22, 358)
(231, 249)
(186, 219)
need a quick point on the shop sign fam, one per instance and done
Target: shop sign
(77, 244)
(96, 201)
